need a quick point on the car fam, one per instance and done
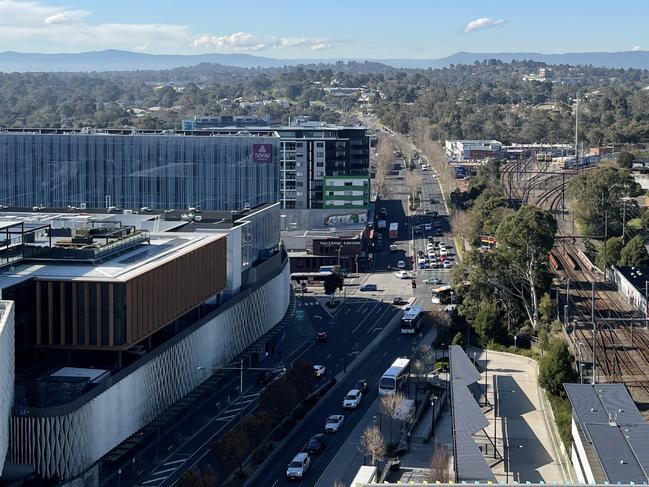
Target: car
(316, 444)
(383, 212)
(430, 246)
(401, 264)
(439, 232)
(433, 201)
(428, 227)
(361, 385)
(398, 301)
(319, 370)
(368, 287)
(402, 275)
(434, 214)
(448, 264)
(420, 253)
(433, 280)
(334, 423)
(298, 466)
(443, 252)
(352, 399)
(321, 337)
(431, 255)
(421, 263)
(393, 247)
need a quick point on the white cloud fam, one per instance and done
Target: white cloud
(482, 23)
(636, 48)
(242, 41)
(29, 23)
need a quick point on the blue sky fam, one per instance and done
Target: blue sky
(328, 29)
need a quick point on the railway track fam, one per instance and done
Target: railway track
(622, 347)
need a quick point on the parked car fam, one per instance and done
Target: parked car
(319, 370)
(398, 301)
(361, 385)
(394, 248)
(334, 423)
(321, 337)
(368, 287)
(448, 264)
(316, 444)
(298, 466)
(428, 227)
(401, 264)
(352, 399)
(433, 280)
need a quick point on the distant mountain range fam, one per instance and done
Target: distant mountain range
(114, 60)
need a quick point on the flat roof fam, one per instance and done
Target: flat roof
(162, 248)
(91, 374)
(614, 427)
(637, 276)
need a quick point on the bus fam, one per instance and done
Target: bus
(309, 277)
(411, 320)
(393, 231)
(442, 295)
(395, 377)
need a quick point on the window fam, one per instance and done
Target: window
(299, 193)
(319, 145)
(299, 144)
(331, 193)
(299, 184)
(349, 183)
(319, 154)
(349, 193)
(299, 174)
(319, 164)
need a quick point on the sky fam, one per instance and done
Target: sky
(380, 29)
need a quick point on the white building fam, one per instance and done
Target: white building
(464, 150)
(633, 284)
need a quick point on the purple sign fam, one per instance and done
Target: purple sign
(262, 152)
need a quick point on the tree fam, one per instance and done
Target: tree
(634, 253)
(521, 256)
(334, 281)
(439, 469)
(546, 307)
(301, 376)
(194, 477)
(458, 339)
(279, 398)
(388, 405)
(232, 448)
(625, 160)
(372, 444)
(488, 323)
(609, 252)
(556, 368)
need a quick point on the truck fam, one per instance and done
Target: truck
(393, 232)
(381, 224)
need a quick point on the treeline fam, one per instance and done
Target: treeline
(482, 100)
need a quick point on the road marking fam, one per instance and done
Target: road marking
(173, 462)
(276, 482)
(318, 316)
(159, 479)
(364, 319)
(162, 472)
(328, 357)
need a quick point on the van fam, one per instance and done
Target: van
(298, 466)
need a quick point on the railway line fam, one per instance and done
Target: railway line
(621, 346)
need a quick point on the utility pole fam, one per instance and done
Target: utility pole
(577, 132)
(592, 317)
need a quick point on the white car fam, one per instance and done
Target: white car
(448, 264)
(402, 275)
(298, 466)
(428, 227)
(352, 399)
(319, 370)
(443, 252)
(401, 264)
(333, 423)
(393, 248)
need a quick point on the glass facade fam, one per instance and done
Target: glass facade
(260, 235)
(159, 171)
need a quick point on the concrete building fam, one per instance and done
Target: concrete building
(633, 284)
(312, 249)
(6, 375)
(464, 150)
(120, 311)
(57, 168)
(610, 437)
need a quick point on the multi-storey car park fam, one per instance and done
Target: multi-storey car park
(116, 313)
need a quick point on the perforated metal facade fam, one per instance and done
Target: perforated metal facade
(6, 374)
(66, 443)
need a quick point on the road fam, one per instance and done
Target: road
(352, 327)
(391, 346)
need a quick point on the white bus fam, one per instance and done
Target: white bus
(395, 377)
(442, 295)
(411, 320)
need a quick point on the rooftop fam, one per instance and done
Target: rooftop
(637, 276)
(162, 248)
(612, 424)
